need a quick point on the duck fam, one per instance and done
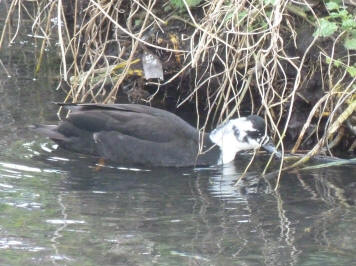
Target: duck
(135, 134)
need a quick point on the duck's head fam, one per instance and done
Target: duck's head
(244, 133)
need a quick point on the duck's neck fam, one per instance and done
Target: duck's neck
(211, 154)
(226, 155)
(216, 153)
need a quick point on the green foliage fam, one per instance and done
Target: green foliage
(240, 16)
(348, 24)
(269, 2)
(332, 6)
(337, 63)
(350, 43)
(339, 19)
(351, 70)
(180, 4)
(326, 28)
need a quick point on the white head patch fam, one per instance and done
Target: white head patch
(233, 137)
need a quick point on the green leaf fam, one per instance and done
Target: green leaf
(138, 22)
(348, 24)
(351, 70)
(270, 2)
(332, 6)
(337, 63)
(350, 43)
(193, 2)
(241, 15)
(326, 28)
(180, 4)
(228, 16)
(334, 14)
(344, 14)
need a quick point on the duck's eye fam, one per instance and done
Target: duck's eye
(236, 131)
(254, 134)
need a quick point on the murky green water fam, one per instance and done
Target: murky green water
(60, 208)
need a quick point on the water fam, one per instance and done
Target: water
(63, 209)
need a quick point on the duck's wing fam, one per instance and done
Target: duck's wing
(138, 121)
(130, 150)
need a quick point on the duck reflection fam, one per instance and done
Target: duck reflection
(203, 215)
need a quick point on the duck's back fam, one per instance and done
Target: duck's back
(128, 134)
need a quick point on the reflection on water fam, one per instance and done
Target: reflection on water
(62, 208)
(73, 211)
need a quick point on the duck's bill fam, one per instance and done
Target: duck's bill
(269, 147)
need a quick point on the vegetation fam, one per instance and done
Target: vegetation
(292, 63)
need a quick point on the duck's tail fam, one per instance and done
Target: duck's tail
(48, 131)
